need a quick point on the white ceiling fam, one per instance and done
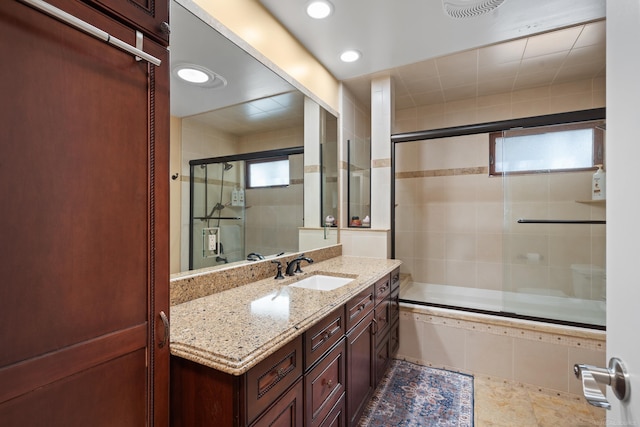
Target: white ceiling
(395, 33)
(433, 58)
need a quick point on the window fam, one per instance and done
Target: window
(550, 148)
(273, 172)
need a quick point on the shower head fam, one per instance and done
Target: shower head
(227, 166)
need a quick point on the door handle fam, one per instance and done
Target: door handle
(615, 376)
(165, 323)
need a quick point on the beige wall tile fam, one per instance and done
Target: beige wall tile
(429, 271)
(443, 346)
(490, 354)
(490, 276)
(411, 336)
(489, 247)
(541, 363)
(461, 273)
(460, 217)
(461, 246)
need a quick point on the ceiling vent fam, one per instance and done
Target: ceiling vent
(461, 9)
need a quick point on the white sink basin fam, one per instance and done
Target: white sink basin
(320, 282)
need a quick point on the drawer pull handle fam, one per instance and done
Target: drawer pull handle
(280, 373)
(328, 383)
(326, 336)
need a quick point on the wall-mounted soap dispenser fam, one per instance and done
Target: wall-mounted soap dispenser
(598, 184)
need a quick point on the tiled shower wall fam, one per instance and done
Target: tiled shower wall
(450, 214)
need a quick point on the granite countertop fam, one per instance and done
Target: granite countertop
(235, 329)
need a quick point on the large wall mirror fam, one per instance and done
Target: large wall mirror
(245, 114)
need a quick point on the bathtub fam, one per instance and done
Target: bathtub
(549, 308)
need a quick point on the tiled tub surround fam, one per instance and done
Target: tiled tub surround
(529, 354)
(234, 329)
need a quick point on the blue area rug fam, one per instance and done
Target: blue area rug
(412, 395)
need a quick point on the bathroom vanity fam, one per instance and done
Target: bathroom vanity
(268, 353)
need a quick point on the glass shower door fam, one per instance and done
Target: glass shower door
(217, 214)
(554, 233)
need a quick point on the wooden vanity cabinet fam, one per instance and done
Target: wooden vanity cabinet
(324, 378)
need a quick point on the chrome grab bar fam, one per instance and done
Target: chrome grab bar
(90, 29)
(615, 376)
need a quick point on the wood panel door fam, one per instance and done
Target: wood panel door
(84, 224)
(152, 16)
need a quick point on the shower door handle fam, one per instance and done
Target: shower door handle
(615, 376)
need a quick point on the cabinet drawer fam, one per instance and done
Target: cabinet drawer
(322, 336)
(382, 289)
(395, 279)
(358, 307)
(271, 377)
(325, 384)
(286, 412)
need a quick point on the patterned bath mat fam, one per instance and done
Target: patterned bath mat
(412, 395)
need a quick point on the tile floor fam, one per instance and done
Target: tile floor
(503, 404)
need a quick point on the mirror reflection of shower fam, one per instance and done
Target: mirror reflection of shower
(229, 221)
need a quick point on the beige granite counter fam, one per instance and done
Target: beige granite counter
(235, 329)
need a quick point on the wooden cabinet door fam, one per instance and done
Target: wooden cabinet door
(360, 368)
(287, 411)
(84, 219)
(151, 16)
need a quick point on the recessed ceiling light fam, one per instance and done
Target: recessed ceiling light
(319, 9)
(198, 75)
(350, 56)
(193, 75)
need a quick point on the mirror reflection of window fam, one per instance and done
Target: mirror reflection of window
(268, 173)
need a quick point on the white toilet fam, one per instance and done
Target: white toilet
(589, 281)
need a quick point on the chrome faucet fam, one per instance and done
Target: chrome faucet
(295, 263)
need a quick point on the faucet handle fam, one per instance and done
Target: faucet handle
(279, 275)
